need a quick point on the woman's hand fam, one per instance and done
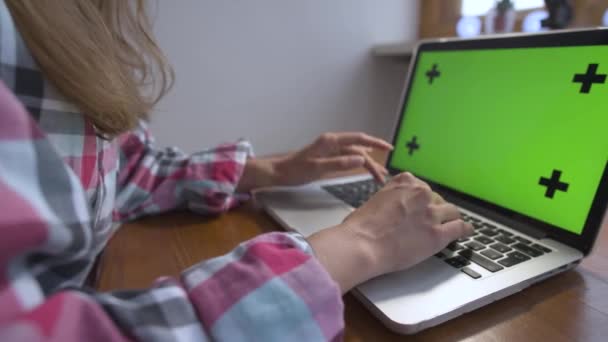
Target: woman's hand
(329, 153)
(401, 225)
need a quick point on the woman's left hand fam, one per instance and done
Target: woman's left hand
(329, 153)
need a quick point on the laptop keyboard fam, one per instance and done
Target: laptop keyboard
(492, 248)
(489, 247)
(355, 193)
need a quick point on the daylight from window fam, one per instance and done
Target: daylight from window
(481, 7)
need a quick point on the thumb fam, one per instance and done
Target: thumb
(341, 163)
(453, 230)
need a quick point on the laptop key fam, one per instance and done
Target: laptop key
(453, 246)
(484, 239)
(522, 247)
(470, 273)
(519, 255)
(457, 261)
(509, 261)
(523, 240)
(481, 261)
(504, 239)
(492, 254)
(477, 225)
(504, 232)
(489, 225)
(489, 232)
(476, 246)
(464, 239)
(542, 248)
(513, 259)
(501, 248)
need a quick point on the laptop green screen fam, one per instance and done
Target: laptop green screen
(525, 129)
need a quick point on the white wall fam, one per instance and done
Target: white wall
(279, 72)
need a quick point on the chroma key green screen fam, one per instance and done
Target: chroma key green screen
(524, 128)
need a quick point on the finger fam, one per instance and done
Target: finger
(368, 149)
(446, 212)
(360, 148)
(374, 168)
(358, 138)
(453, 230)
(404, 177)
(437, 199)
(377, 170)
(341, 163)
(363, 151)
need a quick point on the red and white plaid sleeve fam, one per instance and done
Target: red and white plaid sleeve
(155, 180)
(269, 288)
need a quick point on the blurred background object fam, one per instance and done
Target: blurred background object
(440, 18)
(533, 21)
(500, 18)
(468, 27)
(560, 14)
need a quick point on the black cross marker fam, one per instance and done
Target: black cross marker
(412, 146)
(433, 73)
(587, 80)
(553, 184)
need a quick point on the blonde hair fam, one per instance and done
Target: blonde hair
(100, 54)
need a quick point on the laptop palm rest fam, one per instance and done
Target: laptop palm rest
(306, 210)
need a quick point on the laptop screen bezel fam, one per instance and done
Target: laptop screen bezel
(583, 242)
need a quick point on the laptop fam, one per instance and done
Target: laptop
(513, 130)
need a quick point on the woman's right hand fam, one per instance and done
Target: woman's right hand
(401, 225)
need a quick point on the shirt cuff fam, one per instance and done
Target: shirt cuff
(220, 170)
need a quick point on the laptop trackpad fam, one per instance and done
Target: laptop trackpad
(306, 210)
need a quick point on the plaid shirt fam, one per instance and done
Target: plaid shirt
(63, 192)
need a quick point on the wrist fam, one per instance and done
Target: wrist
(258, 173)
(347, 259)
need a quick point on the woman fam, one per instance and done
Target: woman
(76, 161)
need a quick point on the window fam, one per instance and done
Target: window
(532, 21)
(481, 7)
(439, 18)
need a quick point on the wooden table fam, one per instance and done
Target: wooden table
(572, 306)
